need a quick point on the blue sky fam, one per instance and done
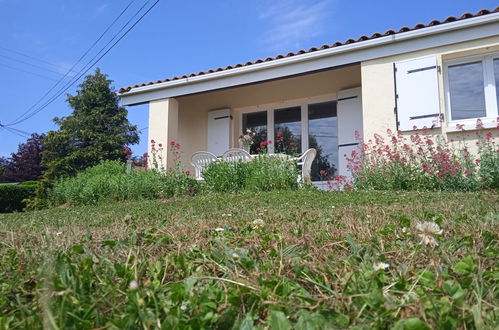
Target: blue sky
(176, 38)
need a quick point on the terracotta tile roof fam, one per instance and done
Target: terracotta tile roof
(326, 46)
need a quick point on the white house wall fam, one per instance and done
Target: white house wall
(378, 89)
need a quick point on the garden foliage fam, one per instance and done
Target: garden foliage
(96, 130)
(261, 174)
(425, 162)
(109, 181)
(13, 196)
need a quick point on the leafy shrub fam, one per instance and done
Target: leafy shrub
(261, 174)
(108, 181)
(424, 162)
(12, 196)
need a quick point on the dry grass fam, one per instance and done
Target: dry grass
(313, 255)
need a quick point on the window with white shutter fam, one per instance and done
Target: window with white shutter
(417, 98)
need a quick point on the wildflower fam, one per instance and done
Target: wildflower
(219, 229)
(428, 231)
(258, 223)
(172, 143)
(133, 285)
(235, 256)
(279, 134)
(226, 214)
(380, 266)
(187, 172)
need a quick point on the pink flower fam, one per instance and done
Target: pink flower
(172, 143)
(279, 134)
(187, 172)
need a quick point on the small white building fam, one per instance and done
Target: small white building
(433, 75)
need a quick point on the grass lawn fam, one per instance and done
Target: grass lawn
(202, 262)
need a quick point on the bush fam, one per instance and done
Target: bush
(109, 181)
(424, 162)
(261, 174)
(13, 196)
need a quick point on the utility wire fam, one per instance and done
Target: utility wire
(20, 118)
(10, 130)
(89, 65)
(26, 71)
(33, 58)
(33, 65)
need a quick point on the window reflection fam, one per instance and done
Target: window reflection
(466, 89)
(287, 130)
(323, 136)
(256, 122)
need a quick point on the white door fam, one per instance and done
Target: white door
(219, 131)
(349, 121)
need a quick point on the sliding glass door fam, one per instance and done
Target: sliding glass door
(256, 122)
(323, 136)
(284, 126)
(287, 130)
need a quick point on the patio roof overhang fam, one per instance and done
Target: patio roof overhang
(429, 37)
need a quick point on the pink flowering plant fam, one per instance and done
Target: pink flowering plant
(423, 161)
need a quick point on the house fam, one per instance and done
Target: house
(436, 75)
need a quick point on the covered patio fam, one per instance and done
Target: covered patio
(320, 110)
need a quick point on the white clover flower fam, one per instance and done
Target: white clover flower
(428, 231)
(226, 214)
(58, 233)
(219, 229)
(133, 285)
(380, 265)
(257, 223)
(235, 256)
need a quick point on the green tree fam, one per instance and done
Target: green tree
(97, 130)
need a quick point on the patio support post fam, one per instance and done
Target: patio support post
(163, 128)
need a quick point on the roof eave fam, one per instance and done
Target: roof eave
(423, 32)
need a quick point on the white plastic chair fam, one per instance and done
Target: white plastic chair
(200, 160)
(236, 155)
(305, 161)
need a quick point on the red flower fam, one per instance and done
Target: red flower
(172, 143)
(187, 172)
(279, 134)
(322, 172)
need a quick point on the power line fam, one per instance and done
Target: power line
(20, 118)
(71, 83)
(26, 71)
(10, 130)
(33, 58)
(33, 65)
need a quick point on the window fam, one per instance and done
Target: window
(323, 136)
(256, 122)
(287, 130)
(472, 87)
(296, 127)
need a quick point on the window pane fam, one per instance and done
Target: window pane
(496, 74)
(467, 96)
(256, 122)
(323, 136)
(287, 130)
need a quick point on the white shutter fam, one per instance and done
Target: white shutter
(349, 121)
(219, 131)
(416, 83)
